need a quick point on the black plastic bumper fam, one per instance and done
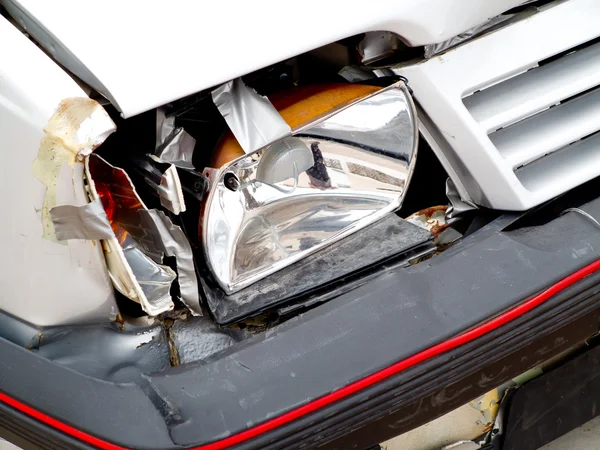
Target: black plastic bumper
(289, 387)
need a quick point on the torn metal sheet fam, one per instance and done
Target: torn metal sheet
(134, 266)
(78, 126)
(154, 279)
(170, 240)
(173, 144)
(164, 127)
(81, 222)
(170, 191)
(252, 118)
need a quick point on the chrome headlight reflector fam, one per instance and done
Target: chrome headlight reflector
(332, 177)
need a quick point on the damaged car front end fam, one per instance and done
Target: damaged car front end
(319, 242)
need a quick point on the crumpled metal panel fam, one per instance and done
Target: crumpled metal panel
(45, 282)
(141, 239)
(171, 240)
(134, 263)
(174, 145)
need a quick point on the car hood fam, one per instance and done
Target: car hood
(141, 54)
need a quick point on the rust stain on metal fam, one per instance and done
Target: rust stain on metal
(432, 219)
(487, 405)
(437, 229)
(119, 319)
(488, 427)
(428, 212)
(173, 352)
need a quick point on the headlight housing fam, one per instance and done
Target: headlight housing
(340, 171)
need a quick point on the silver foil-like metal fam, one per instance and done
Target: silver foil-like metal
(334, 176)
(170, 191)
(170, 240)
(134, 264)
(81, 222)
(174, 145)
(252, 118)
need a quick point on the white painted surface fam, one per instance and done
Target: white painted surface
(43, 282)
(461, 424)
(458, 425)
(143, 54)
(441, 83)
(5, 445)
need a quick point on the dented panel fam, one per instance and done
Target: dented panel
(43, 281)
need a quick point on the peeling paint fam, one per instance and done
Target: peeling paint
(78, 126)
(487, 405)
(432, 219)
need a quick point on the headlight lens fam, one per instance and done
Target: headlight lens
(339, 172)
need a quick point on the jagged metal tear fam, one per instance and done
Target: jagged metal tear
(174, 145)
(170, 240)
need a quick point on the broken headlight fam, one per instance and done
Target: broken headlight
(347, 163)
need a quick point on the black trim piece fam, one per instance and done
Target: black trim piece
(326, 273)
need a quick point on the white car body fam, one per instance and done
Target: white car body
(142, 55)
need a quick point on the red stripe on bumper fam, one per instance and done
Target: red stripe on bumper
(346, 391)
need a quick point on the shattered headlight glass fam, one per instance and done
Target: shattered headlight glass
(342, 168)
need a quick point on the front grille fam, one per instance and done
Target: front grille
(543, 122)
(518, 110)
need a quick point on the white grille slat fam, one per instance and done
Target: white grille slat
(493, 101)
(553, 171)
(535, 90)
(550, 130)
